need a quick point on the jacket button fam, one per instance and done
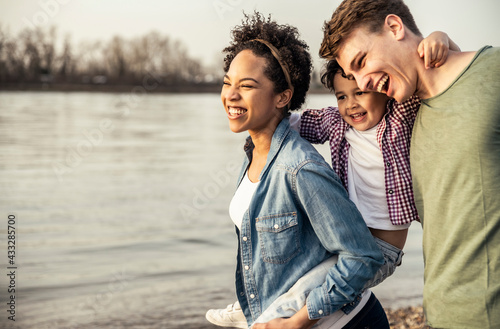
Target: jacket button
(391, 191)
(320, 312)
(276, 226)
(252, 296)
(247, 267)
(245, 238)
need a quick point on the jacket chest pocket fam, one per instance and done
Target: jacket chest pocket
(279, 237)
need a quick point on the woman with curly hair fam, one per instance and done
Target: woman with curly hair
(291, 212)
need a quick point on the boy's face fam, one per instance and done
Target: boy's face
(362, 110)
(379, 62)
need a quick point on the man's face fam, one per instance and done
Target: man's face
(379, 62)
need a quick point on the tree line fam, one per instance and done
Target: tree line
(40, 56)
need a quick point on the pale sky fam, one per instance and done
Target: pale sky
(204, 25)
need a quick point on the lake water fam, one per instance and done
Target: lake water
(121, 210)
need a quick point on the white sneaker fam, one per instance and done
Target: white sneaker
(231, 316)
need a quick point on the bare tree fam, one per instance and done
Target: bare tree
(66, 65)
(35, 55)
(115, 54)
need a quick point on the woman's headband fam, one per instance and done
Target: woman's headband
(276, 55)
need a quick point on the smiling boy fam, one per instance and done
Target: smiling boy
(369, 137)
(454, 154)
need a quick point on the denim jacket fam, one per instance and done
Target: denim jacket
(299, 216)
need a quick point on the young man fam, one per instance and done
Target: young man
(455, 152)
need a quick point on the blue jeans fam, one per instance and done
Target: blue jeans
(371, 316)
(294, 299)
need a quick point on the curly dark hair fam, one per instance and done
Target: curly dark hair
(293, 52)
(332, 67)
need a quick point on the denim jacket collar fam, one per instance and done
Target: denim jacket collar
(279, 136)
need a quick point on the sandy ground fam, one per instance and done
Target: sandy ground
(402, 318)
(406, 318)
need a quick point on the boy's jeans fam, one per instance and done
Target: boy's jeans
(294, 299)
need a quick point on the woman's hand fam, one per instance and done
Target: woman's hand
(434, 49)
(280, 323)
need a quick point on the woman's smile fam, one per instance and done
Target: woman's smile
(235, 112)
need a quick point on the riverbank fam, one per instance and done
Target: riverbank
(402, 318)
(148, 87)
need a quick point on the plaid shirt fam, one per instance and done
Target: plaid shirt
(393, 137)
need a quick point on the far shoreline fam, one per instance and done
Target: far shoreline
(126, 88)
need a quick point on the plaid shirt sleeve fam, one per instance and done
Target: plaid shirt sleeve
(316, 125)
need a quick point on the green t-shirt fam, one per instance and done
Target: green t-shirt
(455, 163)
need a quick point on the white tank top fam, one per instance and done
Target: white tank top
(241, 200)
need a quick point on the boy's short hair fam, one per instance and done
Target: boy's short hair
(332, 68)
(351, 14)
